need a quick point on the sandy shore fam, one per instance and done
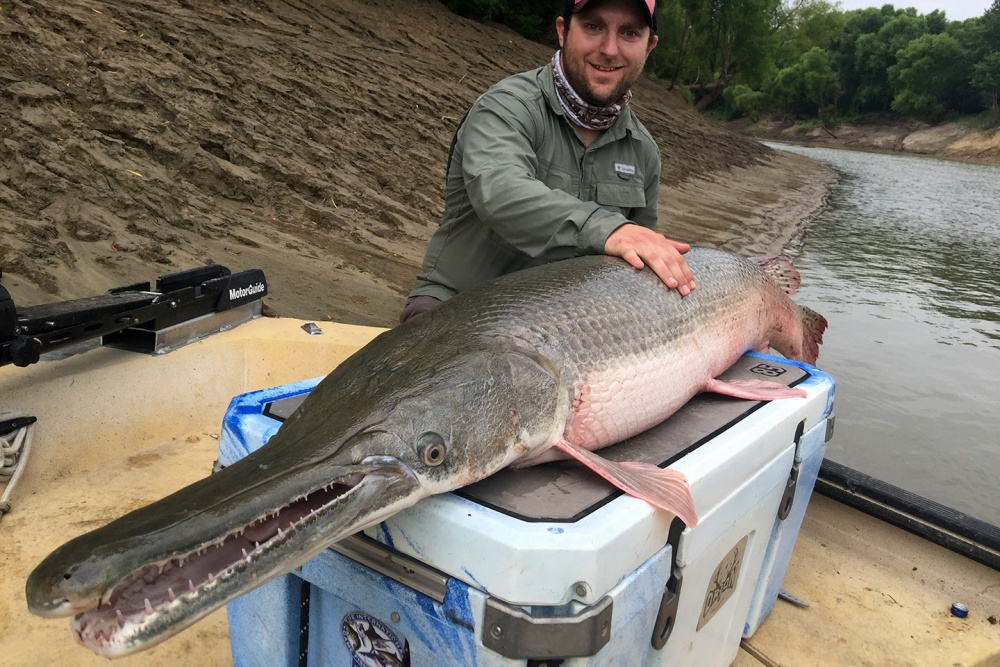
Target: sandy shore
(945, 140)
(755, 210)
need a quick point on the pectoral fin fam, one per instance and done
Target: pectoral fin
(755, 390)
(664, 488)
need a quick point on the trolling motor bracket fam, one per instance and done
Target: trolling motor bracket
(183, 306)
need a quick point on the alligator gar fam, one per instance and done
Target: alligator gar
(550, 362)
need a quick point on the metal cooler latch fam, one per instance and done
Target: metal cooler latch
(788, 497)
(672, 592)
(668, 612)
(514, 633)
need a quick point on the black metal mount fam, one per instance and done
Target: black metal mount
(27, 333)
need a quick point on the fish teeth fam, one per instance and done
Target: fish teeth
(170, 594)
(121, 618)
(149, 607)
(246, 556)
(190, 586)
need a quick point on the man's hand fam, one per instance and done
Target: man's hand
(640, 246)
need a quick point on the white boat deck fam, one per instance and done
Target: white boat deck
(117, 430)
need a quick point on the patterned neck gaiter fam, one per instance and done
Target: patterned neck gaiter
(579, 112)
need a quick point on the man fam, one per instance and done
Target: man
(552, 163)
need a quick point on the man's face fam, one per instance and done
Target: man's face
(604, 48)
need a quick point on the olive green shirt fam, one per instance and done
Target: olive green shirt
(523, 189)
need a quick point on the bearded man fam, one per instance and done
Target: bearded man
(553, 163)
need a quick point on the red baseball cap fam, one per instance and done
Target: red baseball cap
(646, 7)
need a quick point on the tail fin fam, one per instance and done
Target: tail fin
(813, 326)
(781, 270)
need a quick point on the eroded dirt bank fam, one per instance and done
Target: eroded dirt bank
(304, 138)
(944, 140)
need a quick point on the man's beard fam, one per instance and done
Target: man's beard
(582, 88)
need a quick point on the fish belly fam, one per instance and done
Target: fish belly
(636, 391)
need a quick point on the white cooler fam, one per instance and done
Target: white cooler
(551, 565)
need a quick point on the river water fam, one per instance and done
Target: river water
(904, 262)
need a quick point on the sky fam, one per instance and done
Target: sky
(956, 10)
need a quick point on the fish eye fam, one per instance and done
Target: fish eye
(431, 448)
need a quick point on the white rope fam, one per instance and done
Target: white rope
(14, 449)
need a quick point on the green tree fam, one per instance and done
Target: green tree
(986, 80)
(971, 35)
(843, 48)
(721, 42)
(925, 74)
(810, 86)
(821, 85)
(806, 24)
(674, 26)
(937, 22)
(875, 55)
(787, 90)
(744, 101)
(991, 26)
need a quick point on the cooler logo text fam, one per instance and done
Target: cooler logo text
(768, 370)
(722, 585)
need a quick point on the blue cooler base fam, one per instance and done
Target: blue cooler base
(468, 578)
(354, 615)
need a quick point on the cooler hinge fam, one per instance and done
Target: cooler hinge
(514, 633)
(397, 566)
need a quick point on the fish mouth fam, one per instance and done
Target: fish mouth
(161, 598)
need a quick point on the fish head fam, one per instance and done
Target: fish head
(370, 440)
(476, 413)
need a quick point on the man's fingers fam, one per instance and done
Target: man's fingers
(679, 246)
(671, 275)
(668, 278)
(681, 270)
(640, 247)
(688, 275)
(633, 258)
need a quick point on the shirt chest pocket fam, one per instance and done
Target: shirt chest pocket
(620, 197)
(556, 179)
